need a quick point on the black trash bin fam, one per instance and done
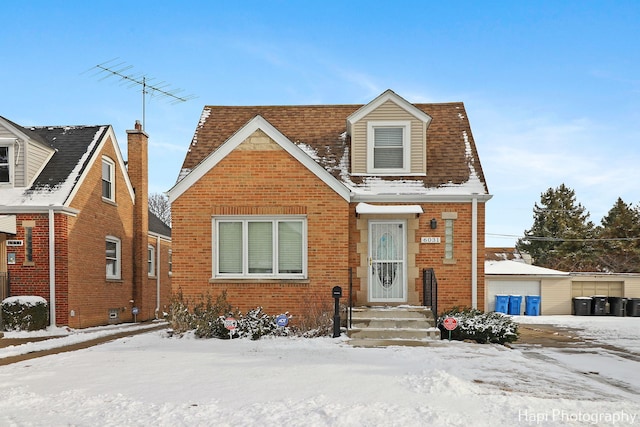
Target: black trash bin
(598, 305)
(616, 306)
(582, 306)
(633, 307)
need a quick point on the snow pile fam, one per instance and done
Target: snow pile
(150, 379)
(27, 300)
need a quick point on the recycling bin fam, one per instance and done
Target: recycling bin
(532, 305)
(633, 307)
(616, 306)
(582, 306)
(514, 304)
(502, 304)
(598, 305)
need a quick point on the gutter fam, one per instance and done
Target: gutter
(158, 269)
(52, 268)
(474, 251)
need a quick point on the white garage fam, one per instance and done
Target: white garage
(516, 278)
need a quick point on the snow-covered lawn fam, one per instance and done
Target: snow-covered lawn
(151, 379)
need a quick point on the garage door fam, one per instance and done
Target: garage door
(510, 287)
(588, 289)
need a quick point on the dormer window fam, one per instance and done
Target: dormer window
(5, 165)
(388, 145)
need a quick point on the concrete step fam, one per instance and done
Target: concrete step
(408, 312)
(394, 323)
(380, 326)
(393, 333)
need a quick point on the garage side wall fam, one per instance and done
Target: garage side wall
(555, 296)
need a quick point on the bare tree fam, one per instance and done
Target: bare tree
(159, 205)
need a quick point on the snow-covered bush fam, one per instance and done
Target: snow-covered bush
(25, 313)
(479, 326)
(207, 319)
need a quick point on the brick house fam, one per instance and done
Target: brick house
(75, 226)
(278, 204)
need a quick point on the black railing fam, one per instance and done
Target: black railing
(4, 285)
(430, 290)
(350, 313)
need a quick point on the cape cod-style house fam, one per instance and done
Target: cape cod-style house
(75, 227)
(276, 205)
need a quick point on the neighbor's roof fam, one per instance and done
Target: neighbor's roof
(321, 131)
(74, 147)
(518, 268)
(156, 225)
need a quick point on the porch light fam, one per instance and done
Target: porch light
(434, 223)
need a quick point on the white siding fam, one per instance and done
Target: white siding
(37, 157)
(386, 112)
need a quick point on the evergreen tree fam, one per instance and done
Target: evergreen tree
(620, 239)
(557, 237)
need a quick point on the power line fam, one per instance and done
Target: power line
(561, 239)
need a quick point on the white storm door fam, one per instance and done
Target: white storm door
(387, 261)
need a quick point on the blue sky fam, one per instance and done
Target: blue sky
(552, 88)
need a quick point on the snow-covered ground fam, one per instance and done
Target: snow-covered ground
(151, 379)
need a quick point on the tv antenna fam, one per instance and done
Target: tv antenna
(148, 85)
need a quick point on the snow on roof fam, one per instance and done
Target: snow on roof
(51, 195)
(518, 268)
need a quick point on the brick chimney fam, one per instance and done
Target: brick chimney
(138, 169)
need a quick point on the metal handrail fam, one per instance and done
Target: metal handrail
(430, 290)
(4, 285)
(350, 314)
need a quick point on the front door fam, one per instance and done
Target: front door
(387, 261)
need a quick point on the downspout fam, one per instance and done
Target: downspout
(52, 269)
(158, 270)
(474, 250)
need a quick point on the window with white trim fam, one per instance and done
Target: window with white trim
(388, 147)
(108, 181)
(6, 171)
(113, 257)
(151, 260)
(260, 247)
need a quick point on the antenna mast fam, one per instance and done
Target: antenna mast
(160, 89)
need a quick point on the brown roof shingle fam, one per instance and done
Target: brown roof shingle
(322, 127)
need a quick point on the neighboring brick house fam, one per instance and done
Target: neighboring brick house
(279, 204)
(78, 229)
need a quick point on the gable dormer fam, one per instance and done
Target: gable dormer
(23, 154)
(388, 138)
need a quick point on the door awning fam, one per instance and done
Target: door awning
(8, 224)
(365, 208)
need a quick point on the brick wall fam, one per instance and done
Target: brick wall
(162, 273)
(261, 181)
(454, 277)
(91, 295)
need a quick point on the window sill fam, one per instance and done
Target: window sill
(109, 201)
(114, 280)
(28, 264)
(218, 280)
(449, 261)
